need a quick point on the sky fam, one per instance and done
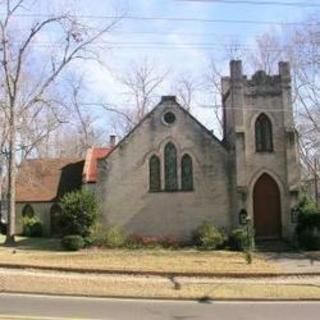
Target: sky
(180, 47)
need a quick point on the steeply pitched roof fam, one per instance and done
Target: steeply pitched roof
(42, 180)
(173, 102)
(90, 167)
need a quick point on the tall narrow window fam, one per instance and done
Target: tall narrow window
(263, 130)
(170, 167)
(186, 173)
(27, 211)
(154, 174)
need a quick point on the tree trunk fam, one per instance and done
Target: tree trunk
(10, 239)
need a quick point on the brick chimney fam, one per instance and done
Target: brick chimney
(169, 99)
(112, 141)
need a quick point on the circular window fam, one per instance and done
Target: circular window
(169, 117)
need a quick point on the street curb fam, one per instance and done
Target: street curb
(202, 300)
(161, 274)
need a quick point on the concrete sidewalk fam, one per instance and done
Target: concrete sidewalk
(292, 262)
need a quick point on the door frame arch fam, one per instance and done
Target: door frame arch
(278, 181)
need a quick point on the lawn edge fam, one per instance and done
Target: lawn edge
(160, 273)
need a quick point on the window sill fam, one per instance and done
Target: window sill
(171, 191)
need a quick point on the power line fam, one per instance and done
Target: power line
(230, 36)
(261, 3)
(163, 33)
(165, 46)
(160, 43)
(204, 106)
(174, 19)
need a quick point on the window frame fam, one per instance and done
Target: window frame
(171, 181)
(263, 134)
(187, 183)
(26, 213)
(154, 182)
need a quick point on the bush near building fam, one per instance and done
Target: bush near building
(79, 213)
(308, 226)
(32, 227)
(208, 237)
(72, 243)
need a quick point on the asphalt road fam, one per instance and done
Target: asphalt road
(16, 306)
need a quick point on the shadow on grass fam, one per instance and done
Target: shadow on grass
(41, 244)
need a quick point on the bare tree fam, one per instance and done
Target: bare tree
(267, 53)
(187, 88)
(303, 50)
(81, 130)
(233, 50)
(212, 85)
(141, 82)
(24, 93)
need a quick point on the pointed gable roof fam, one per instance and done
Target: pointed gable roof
(172, 101)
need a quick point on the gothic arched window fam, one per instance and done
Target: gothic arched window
(263, 131)
(154, 174)
(186, 173)
(170, 167)
(27, 211)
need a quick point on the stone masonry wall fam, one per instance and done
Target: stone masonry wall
(244, 102)
(123, 179)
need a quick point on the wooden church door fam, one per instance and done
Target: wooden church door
(267, 208)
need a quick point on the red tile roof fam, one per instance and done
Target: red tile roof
(42, 180)
(91, 163)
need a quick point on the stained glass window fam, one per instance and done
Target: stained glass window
(154, 174)
(170, 167)
(263, 131)
(186, 173)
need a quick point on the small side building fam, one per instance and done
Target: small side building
(41, 183)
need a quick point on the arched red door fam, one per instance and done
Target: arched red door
(267, 208)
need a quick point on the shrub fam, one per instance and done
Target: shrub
(248, 256)
(79, 213)
(114, 237)
(239, 239)
(32, 227)
(169, 242)
(208, 237)
(137, 241)
(309, 239)
(72, 242)
(308, 226)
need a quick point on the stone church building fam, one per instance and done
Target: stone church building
(170, 173)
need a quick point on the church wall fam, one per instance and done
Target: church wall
(123, 179)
